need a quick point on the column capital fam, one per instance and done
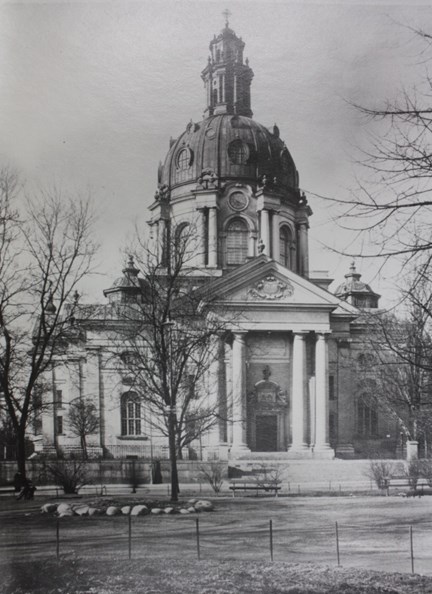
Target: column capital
(324, 335)
(301, 333)
(240, 335)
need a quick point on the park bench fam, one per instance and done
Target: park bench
(251, 485)
(405, 482)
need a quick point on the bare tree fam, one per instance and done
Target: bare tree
(397, 369)
(391, 206)
(169, 342)
(83, 421)
(46, 249)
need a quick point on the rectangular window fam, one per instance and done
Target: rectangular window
(332, 394)
(59, 398)
(59, 425)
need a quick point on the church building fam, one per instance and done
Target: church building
(287, 370)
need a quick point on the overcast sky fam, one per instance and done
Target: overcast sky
(90, 93)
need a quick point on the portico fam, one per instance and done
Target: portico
(288, 412)
(276, 362)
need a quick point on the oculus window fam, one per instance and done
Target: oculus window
(238, 152)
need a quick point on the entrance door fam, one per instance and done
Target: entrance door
(266, 433)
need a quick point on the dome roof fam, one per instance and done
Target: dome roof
(232, 147)
(353, 289)
(126, 286)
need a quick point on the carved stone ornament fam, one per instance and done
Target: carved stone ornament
(162, 193)
(208, 179)
(271, 289)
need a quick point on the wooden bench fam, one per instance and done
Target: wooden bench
(405, 482)
(249, 485)
(7, 490)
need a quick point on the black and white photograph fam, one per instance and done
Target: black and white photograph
(215, 297)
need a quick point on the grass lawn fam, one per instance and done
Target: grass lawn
(234, 546)
(205, 577)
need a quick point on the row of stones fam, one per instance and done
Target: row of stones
(64, 509)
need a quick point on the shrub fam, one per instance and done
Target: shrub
(413, 472)
(426, 470)
(213, 473)
(379, 470)
(269, 476)
(71, 475)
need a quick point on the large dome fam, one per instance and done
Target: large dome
(232, 147)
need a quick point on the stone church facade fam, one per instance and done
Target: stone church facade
(287, 370)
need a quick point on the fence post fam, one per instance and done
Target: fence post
(58, 538)
(130, 536)
(412, 549)
(337, 544)
(271, 540)
(198, 539)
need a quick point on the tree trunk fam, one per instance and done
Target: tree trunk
(20, 451)
(84, 447)
(173, 457)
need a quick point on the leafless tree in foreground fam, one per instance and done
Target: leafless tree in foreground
(169, 342)
(46, 249)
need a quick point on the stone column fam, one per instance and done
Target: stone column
(275, 237)
(161, 241)
(201, 257)
(265, 231)
(212, 238)
(228, 390)
(322, 446)
(298, 443)
(303, 256)
(94, 391)
(239, 445)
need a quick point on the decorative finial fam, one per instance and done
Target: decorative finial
(226, 13)
(352, 267)
(76, 297)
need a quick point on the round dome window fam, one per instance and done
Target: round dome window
(184, 159)
(238, 152)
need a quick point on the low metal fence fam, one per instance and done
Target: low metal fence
(400, 547)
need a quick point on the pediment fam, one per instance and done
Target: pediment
(264, 282)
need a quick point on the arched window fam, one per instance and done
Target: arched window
(183, 163)
(367, 417)
(130, 414)
(183, 159)
(285, 243)
(237, 242)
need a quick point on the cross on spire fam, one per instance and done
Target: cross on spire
(226, 13)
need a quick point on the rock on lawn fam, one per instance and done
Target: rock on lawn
(204, 505)
(139, 510)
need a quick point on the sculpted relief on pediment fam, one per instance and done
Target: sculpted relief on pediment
(270, 288)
